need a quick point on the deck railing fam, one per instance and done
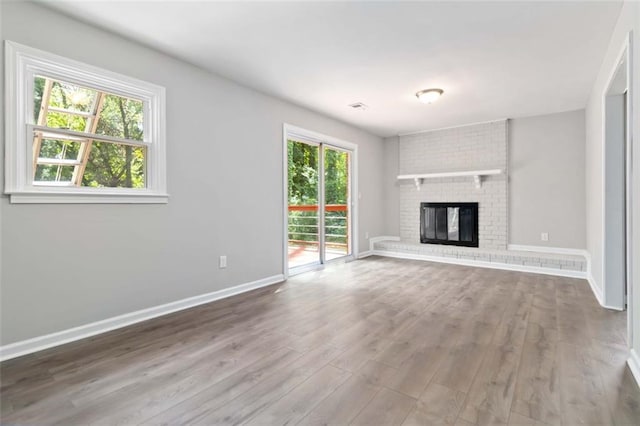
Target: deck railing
(303, 225)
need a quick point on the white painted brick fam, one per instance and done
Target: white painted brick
(474, 147)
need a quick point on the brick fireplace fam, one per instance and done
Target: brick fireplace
(469, 151)
(473, 147)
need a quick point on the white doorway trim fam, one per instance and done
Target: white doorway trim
(290, 131)
(613, 290)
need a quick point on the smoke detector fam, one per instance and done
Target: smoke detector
(359, 106)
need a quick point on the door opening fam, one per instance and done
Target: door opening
(318, 193)
(616, 250)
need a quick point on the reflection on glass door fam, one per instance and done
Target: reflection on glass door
(319, 213)
(337, 217)
(303, 192)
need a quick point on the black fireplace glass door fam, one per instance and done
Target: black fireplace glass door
(466, 224)
(430, 222)
(452, 221)
(441, 223)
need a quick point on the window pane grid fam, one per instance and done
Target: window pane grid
(105, 131)
(72, 112)
(58, 162)
(83, 136)
(113, 165)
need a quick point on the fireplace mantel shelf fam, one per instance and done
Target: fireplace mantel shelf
(477, 176)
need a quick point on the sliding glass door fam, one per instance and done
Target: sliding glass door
(318, 203)
(303, 201)
(337, 217)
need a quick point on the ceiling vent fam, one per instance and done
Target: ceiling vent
(359, 106)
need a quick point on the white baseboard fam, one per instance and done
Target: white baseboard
(550, 250)
(634, 365)
(481, 264)
(597, 292)
(39, 343)
(364, 254)
(595, 289)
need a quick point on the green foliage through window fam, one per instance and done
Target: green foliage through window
(303, 165)
(99, 163)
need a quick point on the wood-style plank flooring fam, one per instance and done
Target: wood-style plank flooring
(372, 342)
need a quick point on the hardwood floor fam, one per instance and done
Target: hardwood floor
(377, 341)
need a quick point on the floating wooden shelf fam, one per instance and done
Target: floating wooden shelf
(477, 176)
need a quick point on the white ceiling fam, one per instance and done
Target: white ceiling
(493, 59)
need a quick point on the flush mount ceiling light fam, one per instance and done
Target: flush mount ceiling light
(429, 96)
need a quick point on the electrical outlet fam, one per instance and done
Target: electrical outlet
(223, 262)
(366, 235)
(544, 236)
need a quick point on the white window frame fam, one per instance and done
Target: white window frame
(22, 63)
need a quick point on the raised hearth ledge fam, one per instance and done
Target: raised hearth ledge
(564, 265)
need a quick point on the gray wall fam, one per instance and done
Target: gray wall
(546, 187)
(614, 199)
(68, 265)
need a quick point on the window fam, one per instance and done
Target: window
(79, 134)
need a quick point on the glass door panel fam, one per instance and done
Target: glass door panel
(337, 211)
(303, 201)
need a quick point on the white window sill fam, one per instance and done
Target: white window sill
(86, 198)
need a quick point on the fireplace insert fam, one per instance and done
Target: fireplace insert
(449, 223)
